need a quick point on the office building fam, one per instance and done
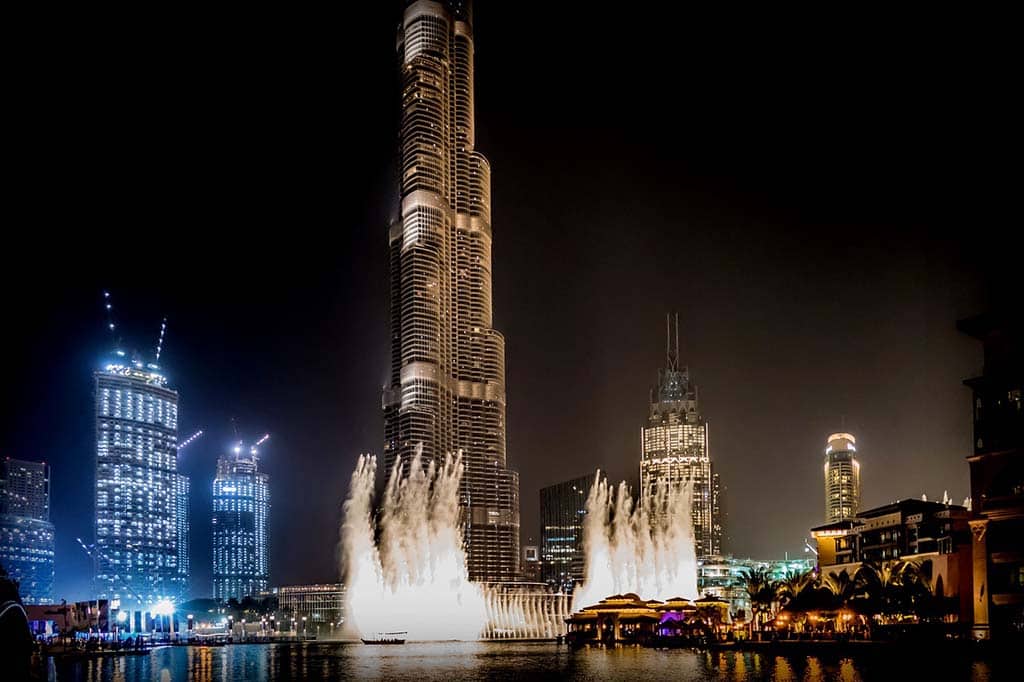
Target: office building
(138, 550)
(26, 534)
(563, 507)
(675, 446)
(241, 507)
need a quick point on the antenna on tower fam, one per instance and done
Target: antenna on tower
(671, 347)
(160, 342)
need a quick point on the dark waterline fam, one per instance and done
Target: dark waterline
(451, 661)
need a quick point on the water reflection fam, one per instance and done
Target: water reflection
(452, 661)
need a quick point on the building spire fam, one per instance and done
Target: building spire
(671, 345)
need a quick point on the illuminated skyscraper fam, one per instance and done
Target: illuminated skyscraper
(842, 478)
(675, 447)
(26, 534)
(241, 505)
(446, 388)
(140, 554)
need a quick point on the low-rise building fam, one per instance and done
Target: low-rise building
(934, 535)
(318, 604)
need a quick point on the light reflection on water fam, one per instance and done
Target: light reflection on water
(451, 661)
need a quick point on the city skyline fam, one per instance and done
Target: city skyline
(588, 261)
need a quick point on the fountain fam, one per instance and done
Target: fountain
(416, 579)
(646, 549)
(411, 575)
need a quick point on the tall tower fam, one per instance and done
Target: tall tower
(446, 388)
(842, 477)
(139, 552)
(26, 534)
(241, 507)
(675, 445)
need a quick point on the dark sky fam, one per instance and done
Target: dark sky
(818, 204)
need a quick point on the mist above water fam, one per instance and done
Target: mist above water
(416, 579)
(645, 547)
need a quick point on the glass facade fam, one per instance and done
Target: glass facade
(26, 534)
(562, 509)
(446, 389)
(140, 552)
(241, 506)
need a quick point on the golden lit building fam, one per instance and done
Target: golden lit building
(674, 447)
(446, 388)
(842, 477)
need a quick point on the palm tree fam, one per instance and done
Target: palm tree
(793, 585)
(761, 590)
(887, 588)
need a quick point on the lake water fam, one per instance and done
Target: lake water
(451, 661)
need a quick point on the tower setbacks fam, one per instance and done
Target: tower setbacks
(446, 387)
(675, 446)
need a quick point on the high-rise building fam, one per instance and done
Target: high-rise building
(26, 534)
(675, 446)
(563, 507)
(446, 389)
(139, 548)
(241, 506)
(842, 478)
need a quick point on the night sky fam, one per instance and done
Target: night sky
(814, 204)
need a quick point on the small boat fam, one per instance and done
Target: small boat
(386, 638)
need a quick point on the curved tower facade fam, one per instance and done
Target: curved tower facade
(446, 388)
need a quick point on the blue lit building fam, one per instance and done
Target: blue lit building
(241, 505)
(141, 549)
(26, 534)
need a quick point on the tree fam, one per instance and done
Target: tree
(761, 590)
(793, 585)
(890, 588)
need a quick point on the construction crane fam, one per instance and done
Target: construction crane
(185, 443)
(160, 341)
(94, 553)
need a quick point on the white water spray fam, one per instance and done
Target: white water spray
(646, 549)
(416, 580)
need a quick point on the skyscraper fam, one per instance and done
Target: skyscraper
(139, 548)
(241, 506)
(26, 534)
(446, 388)
(675, 446)
(563, 507)
(842, 478)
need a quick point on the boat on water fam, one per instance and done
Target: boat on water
(386, 638)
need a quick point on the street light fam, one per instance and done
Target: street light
(303, 627)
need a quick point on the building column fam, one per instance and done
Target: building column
(979, 553)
